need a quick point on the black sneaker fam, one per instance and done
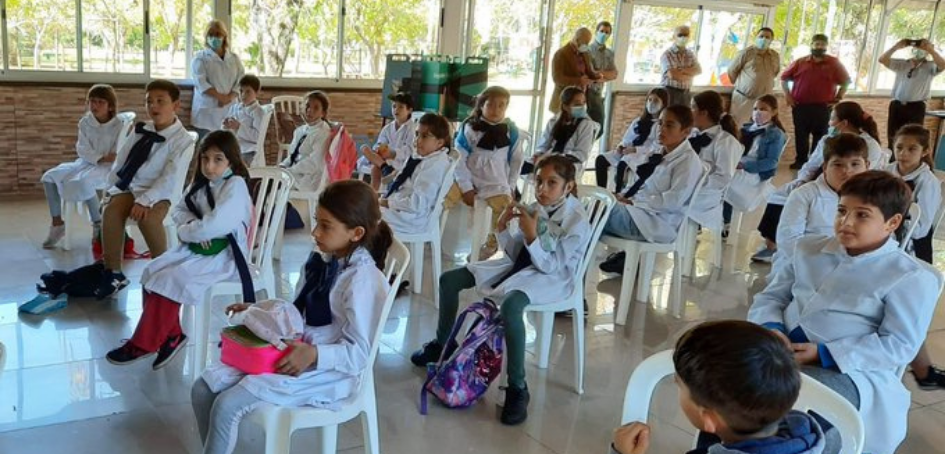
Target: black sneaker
(126, 354)
(430, 353)
(614, 263)
(515, 410)
(934, 380)
(169, 349)
(111, 284)
(402, 290)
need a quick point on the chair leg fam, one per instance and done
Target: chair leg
(277, 247)
(369, 427)
(278, 434)
(717, 248)
(545, 328)
(67, 217)
(416, 256)
(626, 286)
(578, 328)
(689, 251)
(676, 289)
(647, 261)
(202, 332)
(436, 248)
(329, 439)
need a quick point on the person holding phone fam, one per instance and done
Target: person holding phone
(913, 84)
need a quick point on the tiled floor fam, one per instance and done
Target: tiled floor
(59, 395)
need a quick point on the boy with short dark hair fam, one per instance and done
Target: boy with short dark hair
(739, 382)
(245, 118)
(855, 307)
(394, 144)
(146, 178)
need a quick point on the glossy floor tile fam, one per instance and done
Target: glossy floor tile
(59, 395)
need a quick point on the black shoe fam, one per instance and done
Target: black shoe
(169, 349)
(402, 290)
(934, 380)
(797, 165)
(614, 263)
(111, 284)
(515, 410)
(430, 353)
(126, 354)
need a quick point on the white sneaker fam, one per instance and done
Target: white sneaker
(56, 234)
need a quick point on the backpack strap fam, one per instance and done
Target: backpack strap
(513, 139)
(461, 141)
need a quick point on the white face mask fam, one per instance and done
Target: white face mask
(654, 108)
(681, 41)
(583, 49)
(761, 117)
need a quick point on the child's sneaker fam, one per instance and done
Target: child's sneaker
(934, 380)
(44, 304)
(56, 234)
(111, 284)
(614, 263)
(515, 410)
(430, 353)
(129, 251)
(169, 349)
(126, 354)
(764, 256)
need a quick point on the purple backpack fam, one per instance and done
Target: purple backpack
(462, 378)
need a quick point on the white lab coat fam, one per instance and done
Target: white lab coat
(210, 71)
(163, 173)
(659, 207)
(650, 145)
(579, 145)
(399, 140)
(815, 165)
(250, 118)
(78, 180)
(927, 193)
(810, 210)
(310, 170)
(183, 276)
(552, 273)
(871, 312)
(344, 346)
(489, 172)
(408, 210)
(722, 156)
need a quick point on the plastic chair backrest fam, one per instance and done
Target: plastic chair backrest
(260, 159)
(3, 357)
(598, 203)
(813, 396)
(438, 212)
(940, 213)
(915, 213)
(269, 209)
(398, 258)
(291, 105)
(188, 157)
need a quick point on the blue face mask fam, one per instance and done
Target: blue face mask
(215, 42)
(579, 111)
(833, 131)
(228, 173)
(601, 37)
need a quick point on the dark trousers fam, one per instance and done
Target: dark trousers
(768, 227)
(678, 96)
(595, 108)
(810, 121)
(901, 114)
(922, 247)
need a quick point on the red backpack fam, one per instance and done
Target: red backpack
(342, 155)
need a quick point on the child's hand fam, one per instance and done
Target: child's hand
(528, 223)
(383, 203)
(234, 308)
(629, 150)
(300, 358)
(139, 212)
(624, 200)
(469, 197)
(740, 166)
(806, 353)
(633, 438)
(507, 214)
(231, 123)
(110, 157)
(384, 151)
(372, 157)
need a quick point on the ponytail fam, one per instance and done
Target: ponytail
(380, 243)
(728, 125)
(854, 114)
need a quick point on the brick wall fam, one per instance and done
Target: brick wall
(627, 106)
(38, 126)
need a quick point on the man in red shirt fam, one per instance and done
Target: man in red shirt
(813, 91)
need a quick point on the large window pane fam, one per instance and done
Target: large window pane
(375, 28)
(724, 33)
(169, 35)
(909, 21)
(42, 35)
(650, 35)
(281, 38)
(113, 36)
(507, 31)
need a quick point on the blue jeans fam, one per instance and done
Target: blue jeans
(621, 225)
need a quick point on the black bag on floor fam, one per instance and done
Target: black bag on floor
(80, 282)
(293, 220)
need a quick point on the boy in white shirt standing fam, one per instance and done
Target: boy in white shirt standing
(245, 119)
(144, 180)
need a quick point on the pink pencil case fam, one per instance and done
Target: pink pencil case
(247, 352)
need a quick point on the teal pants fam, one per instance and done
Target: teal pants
(511, 310)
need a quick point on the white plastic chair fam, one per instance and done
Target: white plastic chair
(940, 213)
(259, 160)
(915, 212)
(598, 203)
(280, 422)
(293, 105)
(3, 357)
(268, 210)
(432, 235)
(72, 210)
(814, 396)
(643, 253)
(718, 245)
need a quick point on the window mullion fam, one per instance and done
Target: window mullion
(341, 40)
(80, 55)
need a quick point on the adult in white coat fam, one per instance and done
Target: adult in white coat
(216, 73)
(571, 132)
(856, 307)
(306, 159)
(715, 140)
(539, 266)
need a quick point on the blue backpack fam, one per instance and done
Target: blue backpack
(463, 143)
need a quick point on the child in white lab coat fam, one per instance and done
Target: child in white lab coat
(341, 296)
(245, 119)
(540, 265)
(413, 194)
(306, 159)
(212, 222)
(914, 164)
(394, 144)
(571, 132)
(639, 139)
(715, 140)
(490, 153)
(97, 146)
(654, 207)
(856, 308)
